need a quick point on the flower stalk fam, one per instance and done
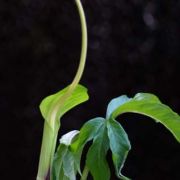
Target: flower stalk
(52, 123)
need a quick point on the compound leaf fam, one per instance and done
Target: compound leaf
(87, 133)
(96, 156)
(119, 145)
(57, 169)
(65, 161)
(149, 105)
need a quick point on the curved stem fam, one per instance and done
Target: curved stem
(50, 135)
(85, 173)
(84, 45)
(81, 66)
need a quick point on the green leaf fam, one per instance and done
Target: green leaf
(68, 139)
(87, 133)
(69, 166)
(96, 156)
(151, 106)
(116, 102)
(119, 145)
(65, 161)
(53, 107)
(57, 169)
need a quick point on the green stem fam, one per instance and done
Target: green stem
(48, 141)
(85, 173)
(51, 126)
(84, 44)
(82, 62)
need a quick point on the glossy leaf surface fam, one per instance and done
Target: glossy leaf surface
(119, 145)
(114, 103)
(96, 156)
(88, 132)
(149, 105)
(65, 164)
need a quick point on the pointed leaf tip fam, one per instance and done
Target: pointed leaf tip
(96, 156)
(119, 145)
(149, 105)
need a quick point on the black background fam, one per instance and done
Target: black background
(134, 46)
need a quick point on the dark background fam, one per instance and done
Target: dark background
(134, 46)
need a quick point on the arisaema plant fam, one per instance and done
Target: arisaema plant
(105, 133)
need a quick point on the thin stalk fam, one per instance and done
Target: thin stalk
(51, 126)
(85, 173)
(81, 66)
(82, 61)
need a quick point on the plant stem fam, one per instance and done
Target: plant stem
(84, 45)
(48, 140)
(81, 66)
(85, 173)
(51, 126)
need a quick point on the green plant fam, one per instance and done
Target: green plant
(105, 133)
